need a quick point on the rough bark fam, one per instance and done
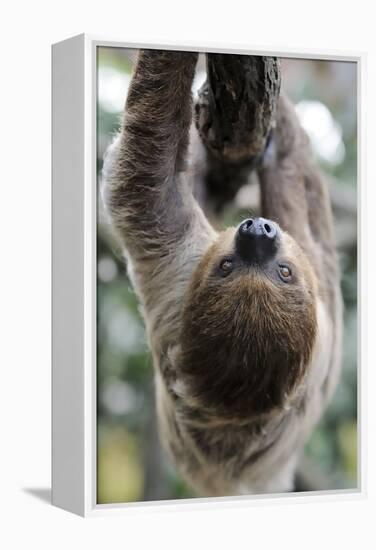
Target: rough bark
(235, 113)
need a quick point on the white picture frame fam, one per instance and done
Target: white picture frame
(74, 415)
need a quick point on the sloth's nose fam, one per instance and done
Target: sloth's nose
(257, 239)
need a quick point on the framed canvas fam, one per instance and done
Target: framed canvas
(232, 232)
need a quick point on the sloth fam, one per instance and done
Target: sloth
(244, 325)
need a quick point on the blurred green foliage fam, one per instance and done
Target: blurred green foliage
(131, 464)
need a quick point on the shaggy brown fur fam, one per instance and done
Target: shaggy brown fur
(241, 353)
(245, 361)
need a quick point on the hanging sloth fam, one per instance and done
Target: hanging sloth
(244, 325)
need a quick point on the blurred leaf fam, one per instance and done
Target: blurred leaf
(347, 437)
(120, 476)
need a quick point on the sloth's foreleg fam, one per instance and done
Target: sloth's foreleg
(282, 175)
(148, 205)
(159, 225)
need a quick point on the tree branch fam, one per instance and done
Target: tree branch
(235, 113)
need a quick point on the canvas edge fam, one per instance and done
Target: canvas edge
(68, 430)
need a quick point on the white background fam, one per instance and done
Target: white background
(27, 30)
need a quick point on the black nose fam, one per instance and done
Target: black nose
(257, 239)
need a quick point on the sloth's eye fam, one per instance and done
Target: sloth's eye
(284, 272)
(226, 266)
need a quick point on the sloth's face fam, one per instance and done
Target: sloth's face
(249, 321)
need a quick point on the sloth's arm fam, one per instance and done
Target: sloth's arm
(150, 205)
(292, 190)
